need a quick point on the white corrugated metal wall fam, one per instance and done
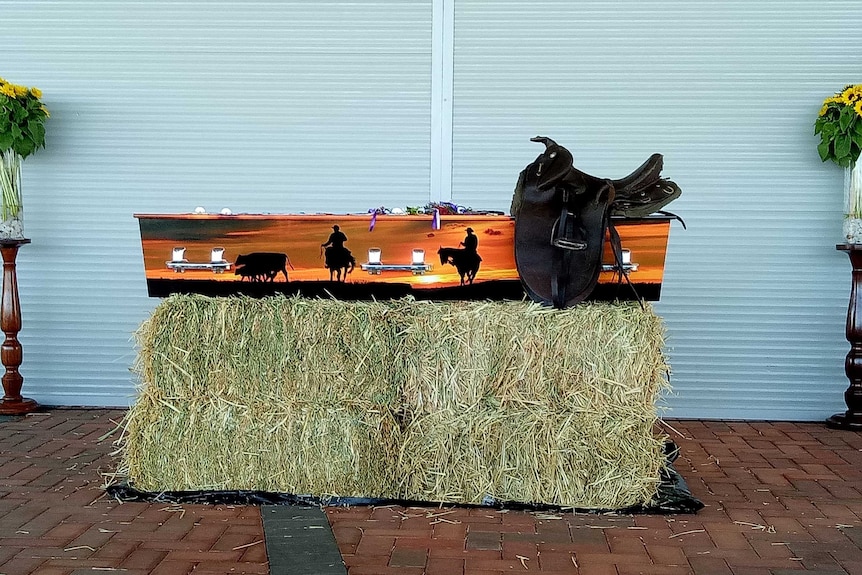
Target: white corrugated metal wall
(755, 294)
(307, 106)
(162, 106)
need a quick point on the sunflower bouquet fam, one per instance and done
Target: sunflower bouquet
(22, 132)
(840, 126)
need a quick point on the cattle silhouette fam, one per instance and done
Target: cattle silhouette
(249, 274)
(261, 266)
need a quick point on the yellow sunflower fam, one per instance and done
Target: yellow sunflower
(7, 90)
(36, 93)
(858, 108)
(852, 94)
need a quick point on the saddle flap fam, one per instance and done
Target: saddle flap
(559, 232)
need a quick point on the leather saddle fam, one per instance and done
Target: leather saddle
(562, 216)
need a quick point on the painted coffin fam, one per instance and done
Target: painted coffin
(389, 256)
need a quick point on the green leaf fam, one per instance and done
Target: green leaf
(857, 127)
(5, 140)
(829, 130)
(37, 132)
(823, 150)
(24, 146)
(18, 112)
(842, 146)
(847, 115)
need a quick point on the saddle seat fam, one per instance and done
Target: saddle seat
(644, 191)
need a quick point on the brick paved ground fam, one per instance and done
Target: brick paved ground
(779, 497)
(56, 520)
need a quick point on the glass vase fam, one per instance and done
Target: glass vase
(853, 203)
(11, 209)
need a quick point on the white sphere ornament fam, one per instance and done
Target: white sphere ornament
(226, 211)
(200, 210)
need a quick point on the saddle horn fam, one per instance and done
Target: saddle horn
(553, 165)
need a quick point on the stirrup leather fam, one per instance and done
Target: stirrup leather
(563, 230)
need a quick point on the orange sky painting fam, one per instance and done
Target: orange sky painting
(300, 237)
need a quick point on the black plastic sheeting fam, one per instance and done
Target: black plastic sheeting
(673, 497)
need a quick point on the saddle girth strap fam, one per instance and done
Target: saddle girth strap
(674, 216)
(617, 249)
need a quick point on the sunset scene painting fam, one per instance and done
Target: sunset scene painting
(391, 249)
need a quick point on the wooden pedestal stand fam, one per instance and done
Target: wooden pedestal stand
(10, 322)
(852, 418)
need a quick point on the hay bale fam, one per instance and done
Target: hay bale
(524, 403)
(437, 401)
(530, 455)
(302, 449)
(195, 347)
(594, 355)
(281, 395)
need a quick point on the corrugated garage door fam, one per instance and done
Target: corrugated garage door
(300, 106)
(163, 106)
(755, 293)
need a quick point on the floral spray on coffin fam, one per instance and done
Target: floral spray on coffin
(22, 132)
(840, 127)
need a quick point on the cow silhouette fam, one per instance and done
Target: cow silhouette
(261, 266)
(248, 274)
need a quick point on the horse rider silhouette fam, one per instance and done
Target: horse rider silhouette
(471, 242)
(466, 259)
(338, 257)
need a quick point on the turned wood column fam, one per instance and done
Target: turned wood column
(852, 418)
(10, 323)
